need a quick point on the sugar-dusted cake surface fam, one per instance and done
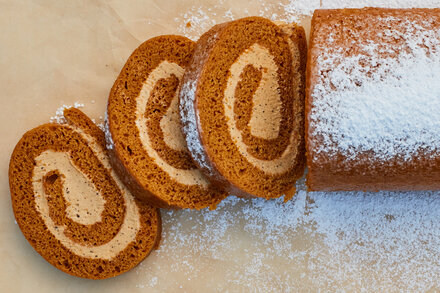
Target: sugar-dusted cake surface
(373, 99)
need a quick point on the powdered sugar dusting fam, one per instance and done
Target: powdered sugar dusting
(195, 21)
(189, 123)
(383, 100)
(396, 234)
(59, 114)
(356, 241)
(100, 123)
(294, 9)
(109, 143)
(188, 113)
(199, 18)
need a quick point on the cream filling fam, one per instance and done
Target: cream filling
(83, 199)
(85, 204)
(169, 124)
(266, 112)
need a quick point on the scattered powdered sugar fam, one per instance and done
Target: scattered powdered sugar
(200, 18)
(395, 234)
(59, 114)
(101, 123)
(294, 9)
(354, 240)
(372, 102)
(196, 20)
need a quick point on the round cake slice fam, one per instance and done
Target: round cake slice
(144, 134)
(242, 106)
(70, 205)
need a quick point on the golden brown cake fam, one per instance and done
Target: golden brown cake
(242, 106)
(70, 205)
(373, 100)
(144, 134)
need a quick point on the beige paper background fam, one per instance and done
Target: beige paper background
(60, 52)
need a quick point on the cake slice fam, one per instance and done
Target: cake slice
(373, 100)
(242, 106)
(144, 135)
(70, 205)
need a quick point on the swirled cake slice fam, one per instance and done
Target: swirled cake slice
(144, 134)
(70, 205)
(242, 106)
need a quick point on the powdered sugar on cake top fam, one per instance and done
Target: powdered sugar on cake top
(384, 99)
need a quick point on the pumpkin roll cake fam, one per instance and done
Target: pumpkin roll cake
(144, 135)
(70, 205)
(242, 106)
(373, 100)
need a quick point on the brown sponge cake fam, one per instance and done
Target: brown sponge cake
(70, 205)
(373, 100)
(145, 139)
(242, 106)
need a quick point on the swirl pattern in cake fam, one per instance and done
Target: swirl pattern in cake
(70, 205)
(147, 147)
(242, 106)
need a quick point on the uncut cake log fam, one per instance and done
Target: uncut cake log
(70, 205)
(373, 100)
(242, 106)
(144, 134)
